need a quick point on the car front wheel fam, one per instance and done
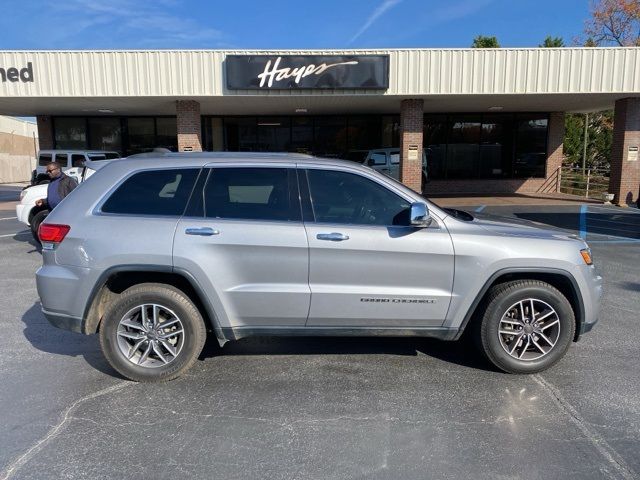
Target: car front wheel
(527, 326)
(152, 333)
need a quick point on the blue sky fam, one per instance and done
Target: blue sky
(279, 24)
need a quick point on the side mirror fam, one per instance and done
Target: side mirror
(419, 215)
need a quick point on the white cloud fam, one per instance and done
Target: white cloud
(128, 24)
(377, 13)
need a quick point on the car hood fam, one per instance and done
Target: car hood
(516, 227)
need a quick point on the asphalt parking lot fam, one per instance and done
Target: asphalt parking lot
(327, 408)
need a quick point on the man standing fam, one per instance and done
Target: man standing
(60, 186)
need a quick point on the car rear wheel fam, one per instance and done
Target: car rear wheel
(152, 333)
(527, 326)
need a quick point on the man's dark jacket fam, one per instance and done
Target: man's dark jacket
(65, 186)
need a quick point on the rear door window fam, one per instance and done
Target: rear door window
(153, 192)
(252, 194)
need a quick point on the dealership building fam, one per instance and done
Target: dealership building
(487, 120)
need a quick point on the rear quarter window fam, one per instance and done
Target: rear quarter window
(153, 192)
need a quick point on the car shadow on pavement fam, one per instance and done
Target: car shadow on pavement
(460, 352)
(27, 237)
(47, 338)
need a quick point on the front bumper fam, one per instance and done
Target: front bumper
(64, 322)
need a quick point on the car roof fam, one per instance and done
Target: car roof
(199, 159)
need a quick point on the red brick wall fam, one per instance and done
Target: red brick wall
(189, 128)
(624, 182)
(488, 187)
(411, 120)
(555, 140)
(45, 132)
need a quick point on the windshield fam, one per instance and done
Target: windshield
(103, 156)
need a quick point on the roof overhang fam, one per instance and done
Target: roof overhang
(449, 80)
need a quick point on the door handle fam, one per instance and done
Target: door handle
(333, 237)
(202, 231)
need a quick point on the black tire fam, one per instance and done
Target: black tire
(499, 302)
(36, 220)
(42, 182)
(168, 297)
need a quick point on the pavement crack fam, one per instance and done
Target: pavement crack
(597, 440)
(54, 431)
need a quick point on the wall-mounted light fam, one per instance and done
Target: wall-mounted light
(495, 109)
(105, 110)
(301, 110)
(269, 124)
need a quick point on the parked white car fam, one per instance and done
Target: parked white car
(32, 215)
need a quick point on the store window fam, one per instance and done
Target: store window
(485, 146)
(531, 146)
(330, 134)
(70, 132)
(390, 131)
(105, 133)
(274, 134)
(463, 151)
(141, 135)
(364, 133)
(435, 144)
(213, 134)
(301, 134)
(167, 133)
(496, 146)
(241, 134)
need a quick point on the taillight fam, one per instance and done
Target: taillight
(52, 233)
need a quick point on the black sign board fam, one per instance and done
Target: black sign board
(283, 72)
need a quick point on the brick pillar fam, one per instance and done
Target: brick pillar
(189, 128)
(555, 138)
(411, 120)
(624, 181)
(45, 132)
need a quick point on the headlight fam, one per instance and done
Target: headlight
(23, 193)
(586, 256)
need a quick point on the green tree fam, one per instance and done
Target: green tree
(599, 133)
(485, 42)
(552, 42)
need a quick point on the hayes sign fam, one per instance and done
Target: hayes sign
(12, 74)
(264, 72)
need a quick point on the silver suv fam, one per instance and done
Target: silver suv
(154, 253)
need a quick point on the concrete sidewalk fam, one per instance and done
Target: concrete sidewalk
(511, 199)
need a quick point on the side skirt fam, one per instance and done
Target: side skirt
(236, 333)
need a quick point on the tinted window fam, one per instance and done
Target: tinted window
(77, 160)
(157, 192)
(44, 159)
(61, 158)
(252, 194)
(340, 197)
(378, 159)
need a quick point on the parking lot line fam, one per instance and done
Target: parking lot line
(583, 221)
(480, 208)
(14, 234)
(8, 218)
